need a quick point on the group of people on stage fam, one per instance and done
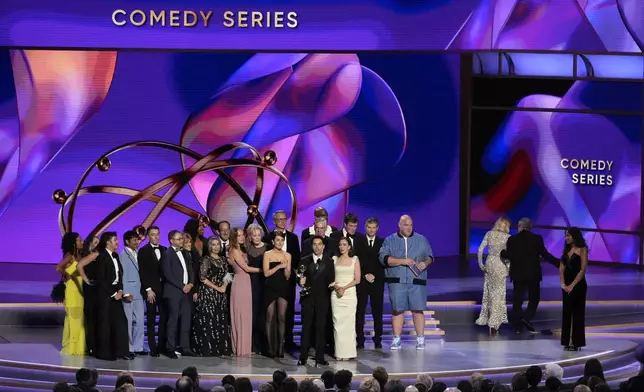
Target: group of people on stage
(234, 293)
(520, 256)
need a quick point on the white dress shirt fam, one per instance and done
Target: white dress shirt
(157, 252)
(345, 234)
(224, 245)
(183, 265)
(116, 267)
(132, 254)
(371, 241)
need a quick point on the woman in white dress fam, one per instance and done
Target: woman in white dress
(344, 301)
(493, 307)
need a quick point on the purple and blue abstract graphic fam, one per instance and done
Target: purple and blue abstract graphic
(564, 168)
(347, 130)
(561, 25)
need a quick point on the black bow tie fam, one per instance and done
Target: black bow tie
(350, 235)
(177, 250)
(155, 247)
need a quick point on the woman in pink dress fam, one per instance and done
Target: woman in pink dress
(241, 295)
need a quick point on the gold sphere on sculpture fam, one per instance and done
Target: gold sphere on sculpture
(104, 164)
(252, 210)
(270, 158)
(59, 196)
(204, 220)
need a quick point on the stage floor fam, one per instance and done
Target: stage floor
(441, 359)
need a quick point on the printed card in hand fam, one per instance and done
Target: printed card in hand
(415, 269)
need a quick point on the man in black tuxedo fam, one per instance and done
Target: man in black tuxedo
(350, 231)
(330, 245)
(291, 246)
(149, 258)
(319, 277)
(223, 230)
(320, 213)
(112, 339)
(177, 282)
(372, 287)
(525, 250)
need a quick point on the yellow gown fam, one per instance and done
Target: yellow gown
(74, 328)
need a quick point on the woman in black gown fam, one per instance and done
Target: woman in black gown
(211, 324)
(255, 251)
(572, 271)
(277, 270)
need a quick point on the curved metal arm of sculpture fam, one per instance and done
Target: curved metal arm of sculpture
(71, 200)
(173, 147)
(123, 191)
(150, 192)
(186, 175)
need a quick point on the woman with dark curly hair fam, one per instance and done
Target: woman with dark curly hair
(74, 327)
(572, 273)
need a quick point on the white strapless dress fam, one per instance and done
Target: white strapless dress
(344, 312)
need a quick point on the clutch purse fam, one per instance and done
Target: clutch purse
(228, 278)
(58, 292)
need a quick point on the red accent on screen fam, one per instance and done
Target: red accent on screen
(515, 182)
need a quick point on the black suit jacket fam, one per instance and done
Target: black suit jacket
(330, 247)
(306, 234)
(368, 255)
(150, 268)
(318, 278)
(292, 247)
(173, 273)
(195, 264)
(106, 274)
(525, 250)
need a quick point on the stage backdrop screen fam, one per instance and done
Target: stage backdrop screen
(372, 134)
(563, 153)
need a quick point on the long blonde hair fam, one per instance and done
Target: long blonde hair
(502, 224)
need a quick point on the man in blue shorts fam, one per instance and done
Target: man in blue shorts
(405, 256)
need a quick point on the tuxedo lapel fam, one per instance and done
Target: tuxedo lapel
(135, 263)
(320, 266)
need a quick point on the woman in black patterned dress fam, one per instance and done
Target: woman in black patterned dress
(211, 326)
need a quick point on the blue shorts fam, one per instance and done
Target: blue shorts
(405, 296)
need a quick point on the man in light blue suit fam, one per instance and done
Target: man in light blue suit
(132, 298)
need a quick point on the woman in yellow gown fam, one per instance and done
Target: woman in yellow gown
(74, 328)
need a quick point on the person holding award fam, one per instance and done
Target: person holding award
(405, 256)
(316, 276)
